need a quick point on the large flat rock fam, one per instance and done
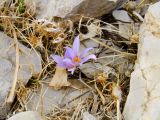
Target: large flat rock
(143, 101)
(29, 65)
(28, 115)
(73, 8)
(47, 99)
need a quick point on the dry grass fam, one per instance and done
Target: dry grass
(36, 34)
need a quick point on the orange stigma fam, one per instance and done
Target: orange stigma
(77, 59)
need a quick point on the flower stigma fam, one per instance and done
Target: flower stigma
(77, 59)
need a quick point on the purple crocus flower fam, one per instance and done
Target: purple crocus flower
(73, 58)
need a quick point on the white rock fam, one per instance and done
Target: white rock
(72, 8)
(47, 98)
(92, 69)
(5, 3)
(28, 115)
(2, 3)
(93, 30)
(121, 15)
(143, 102)
(87, 116)
(29, 64)
(126, 30)
(103, 62)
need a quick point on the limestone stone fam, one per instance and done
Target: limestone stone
(143, 102)
(29, 65)
(28, 115)
(47, 99)
(73, 8)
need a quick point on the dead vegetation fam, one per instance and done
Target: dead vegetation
(108, 92)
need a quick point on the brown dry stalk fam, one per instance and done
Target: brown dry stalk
(121, 53)
(100, 94)
(11, 94)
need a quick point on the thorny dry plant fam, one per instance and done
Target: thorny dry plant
(51, 38)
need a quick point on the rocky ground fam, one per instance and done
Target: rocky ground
(124, 36)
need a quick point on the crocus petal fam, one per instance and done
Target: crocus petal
(87, 58)
(58, 60)
(68, 63)
(84, 52)
(61, 65)
(69, 53)
(76, 45)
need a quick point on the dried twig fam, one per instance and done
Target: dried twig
(121, 53)
(11, 94)
(101, 95)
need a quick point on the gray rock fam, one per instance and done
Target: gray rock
(87, 116)
(126, 30)
(5, 3)
(104, 62)
(72, 8)
(2, 3)
(47, 98)
(29, 64)
(143, 102)
(28, 115)
(121, 15)
(91, 69)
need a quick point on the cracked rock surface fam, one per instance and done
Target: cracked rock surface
(103, 64)
(143, 102)
(29, 65)
(66, 97)
(73, 8)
